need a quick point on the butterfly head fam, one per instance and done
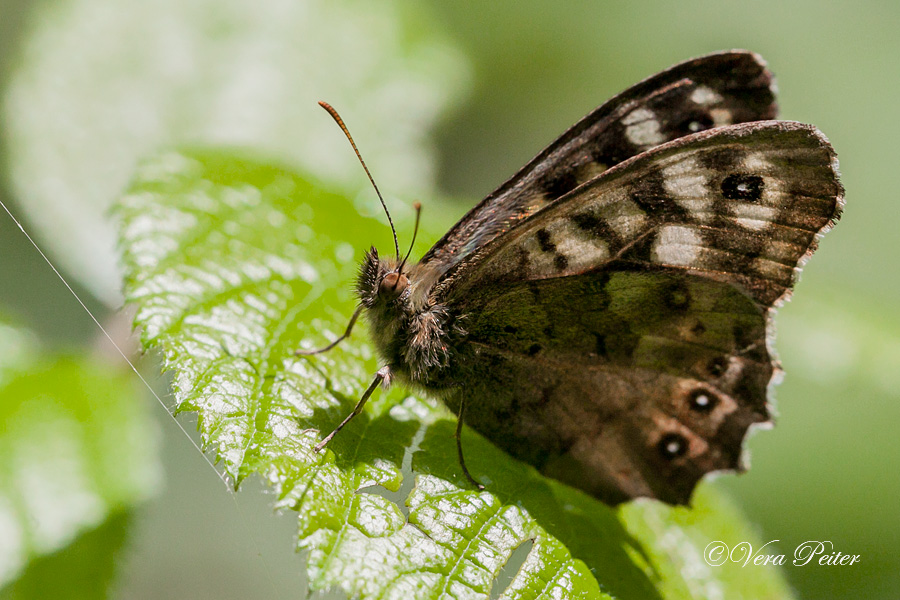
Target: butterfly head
(381, 281)
(392, 286)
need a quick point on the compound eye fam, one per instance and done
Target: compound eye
(393, 285)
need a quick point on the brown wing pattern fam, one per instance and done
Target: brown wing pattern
(622, 383)
(714, 90)
(617, 340)
(743, 204)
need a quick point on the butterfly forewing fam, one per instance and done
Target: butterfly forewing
(714, 90)
(743, 204)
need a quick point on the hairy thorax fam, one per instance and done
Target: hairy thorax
(416, 337)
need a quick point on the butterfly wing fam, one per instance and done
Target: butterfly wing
(744, 204)
(622, 383)
(714, 90)
(617, 339)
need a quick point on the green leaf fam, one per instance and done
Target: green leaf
(84, 569)
(233, 265)
(77, 448)
(99, 84)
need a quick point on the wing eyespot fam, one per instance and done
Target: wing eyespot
(743, 186)
(672, 446)
(698, 122)
(702, 401)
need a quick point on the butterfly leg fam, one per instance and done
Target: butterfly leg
(383, 374)
(459, 450)
(346, 334)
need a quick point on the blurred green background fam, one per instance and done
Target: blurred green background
(502, 81)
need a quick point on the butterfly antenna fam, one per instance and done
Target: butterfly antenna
(337, 119)
(418, 208)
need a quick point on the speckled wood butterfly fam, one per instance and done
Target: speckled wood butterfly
(606, 314)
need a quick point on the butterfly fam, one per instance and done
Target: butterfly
(606, 315)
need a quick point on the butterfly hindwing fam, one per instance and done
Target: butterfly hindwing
(623, 383)
(742, 204)
(714, 90)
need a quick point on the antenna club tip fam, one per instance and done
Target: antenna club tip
(417, 205)
(334, 114)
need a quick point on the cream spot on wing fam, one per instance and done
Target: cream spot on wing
(629, 220)
(583, 254)
(705, 96)
(754, 224)
(682, 165)
(642, 128)
(685, 182)
(756, 163)
(773, 192)
(677, 245)
(771, 269)
(638, 115)
(734, 370)
(580, 249)
(621, 214)
(753, 216)
(720, 116)
(539, 262)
